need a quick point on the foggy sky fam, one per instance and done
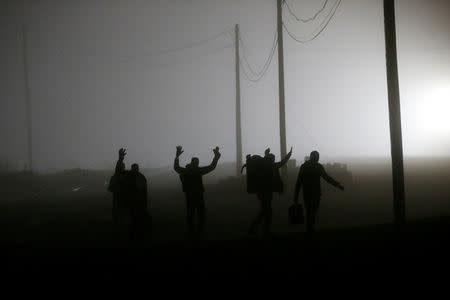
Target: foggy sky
(97, 82)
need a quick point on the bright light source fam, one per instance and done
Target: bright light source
(435, 112)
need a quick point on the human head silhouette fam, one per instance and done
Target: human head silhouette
(271, 157)
(135, 168)
(314, 157)
(194, 162)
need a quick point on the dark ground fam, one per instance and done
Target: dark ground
(51, 235)
(419, 250)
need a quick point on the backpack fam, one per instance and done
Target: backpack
(259, 174)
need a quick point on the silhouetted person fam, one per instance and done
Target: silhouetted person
(137, 202)
(129, 188)
(267, 181)
(191, 179)
(115, 187)
(309, 177)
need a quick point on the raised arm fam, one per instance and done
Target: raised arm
(212, 166)
(176, 163)
(243, 167)
(284, 160)
(330, 179)
(120, 165)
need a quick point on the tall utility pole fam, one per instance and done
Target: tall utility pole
(281, 84)
(394, 112)
(238, 105)
(27, 100)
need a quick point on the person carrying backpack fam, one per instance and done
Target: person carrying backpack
(263, 178)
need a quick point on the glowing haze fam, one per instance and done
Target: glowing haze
(98, 80)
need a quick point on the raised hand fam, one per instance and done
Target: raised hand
(267, 152)
(288, 155)
(122, 153)
(179, 151)
(216, 151)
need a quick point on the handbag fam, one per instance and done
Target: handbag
(296, 214)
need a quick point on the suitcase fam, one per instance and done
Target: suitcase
(296, 214)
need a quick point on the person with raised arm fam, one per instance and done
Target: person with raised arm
(192, 183)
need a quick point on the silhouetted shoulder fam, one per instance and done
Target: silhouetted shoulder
(141, 176)
(141, 180)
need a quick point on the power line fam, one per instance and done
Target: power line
(309, 19)
(323, 25)
(242, 44)
(244, 54)
(203, 55)
(243, 61)
(266, 67)
(195, 44)
(127, 59)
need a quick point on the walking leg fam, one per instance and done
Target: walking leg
(201, 211)
(267, 213)
(190, 210)
(259, 217)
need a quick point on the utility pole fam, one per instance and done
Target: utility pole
(394, 112)
(238, 105)
(281, 84)
(27, 100)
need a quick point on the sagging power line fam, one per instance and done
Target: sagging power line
(245, 57)
(254, 76)
(197, 43)
(323, 25)
(291, 11)
(247, 69)
(259, 75)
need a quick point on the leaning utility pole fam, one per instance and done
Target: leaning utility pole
(27, 100)
(238, 105)
(281, 84)
(394, 112)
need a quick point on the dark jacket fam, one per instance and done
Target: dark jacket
(129, 189)
(135, 186)
(309, 177)
(191, 177)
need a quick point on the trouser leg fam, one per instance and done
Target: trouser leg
(312, 207)
(134, 225)
(267, 213)
(201, 214)
(190, 211)
(115, 212)
(259, 217)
